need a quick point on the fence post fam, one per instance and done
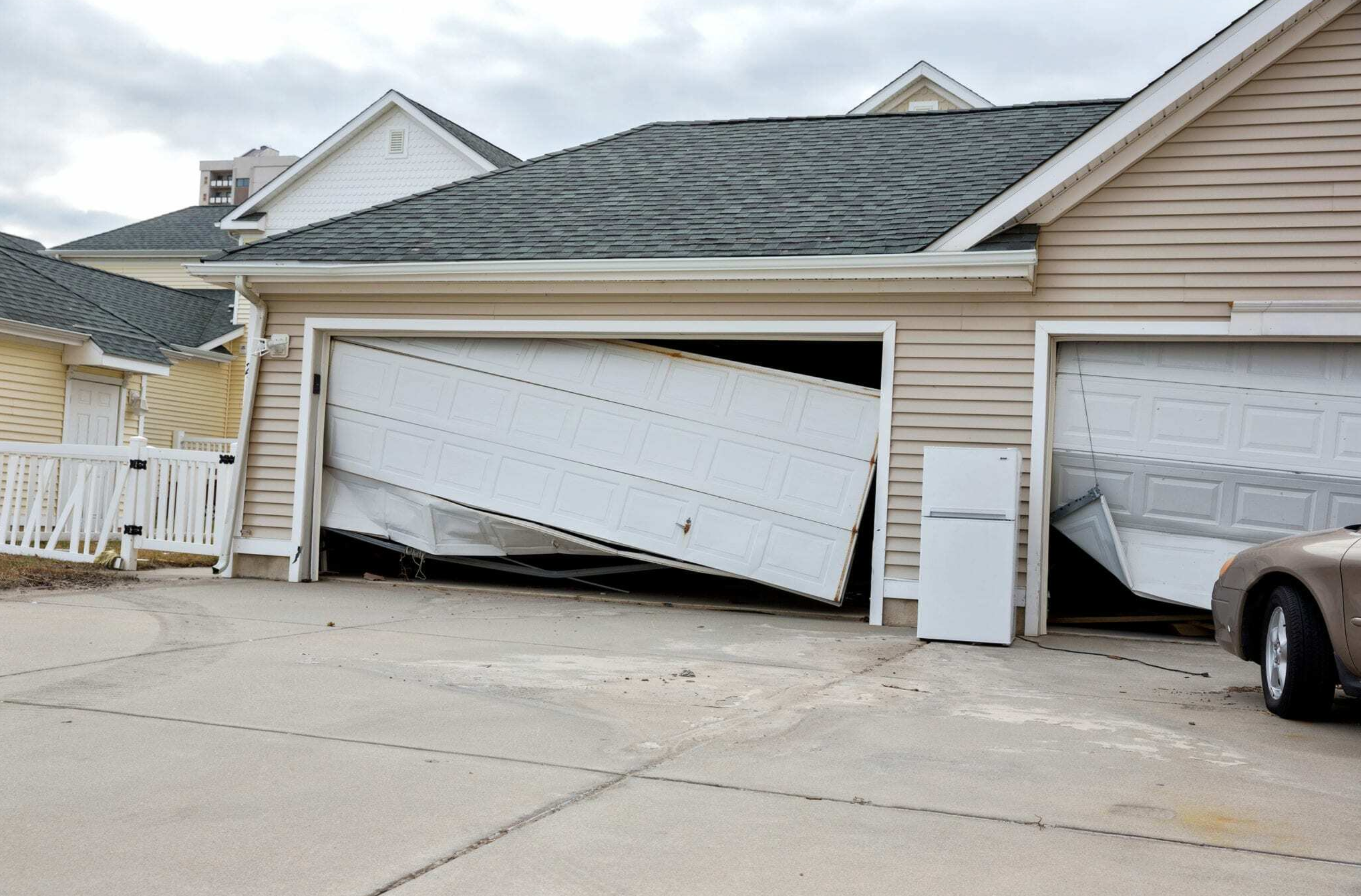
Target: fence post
(179, 439)
(138, 490)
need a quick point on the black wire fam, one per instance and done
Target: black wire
(1114, 656)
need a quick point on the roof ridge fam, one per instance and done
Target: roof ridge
(439, 117)
(523, 163)
(932, 113)
(70, 243)
(149, 337)
(95, 302)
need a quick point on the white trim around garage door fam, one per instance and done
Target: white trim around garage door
(306, 529)
(1245, 325)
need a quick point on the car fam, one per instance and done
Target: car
(1293, 606)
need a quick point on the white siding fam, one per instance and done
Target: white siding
(362, 174)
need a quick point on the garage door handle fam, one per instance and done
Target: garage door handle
(685, 526)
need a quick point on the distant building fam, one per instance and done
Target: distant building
(230, 181)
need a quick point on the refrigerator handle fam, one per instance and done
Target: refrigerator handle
(967, 515)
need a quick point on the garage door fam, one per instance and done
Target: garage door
(745, 470)
(1202, 449)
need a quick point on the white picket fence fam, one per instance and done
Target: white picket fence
(71, 502)
(187, 442)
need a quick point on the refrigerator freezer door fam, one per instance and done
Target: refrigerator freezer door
(968, 570)
(972, 483)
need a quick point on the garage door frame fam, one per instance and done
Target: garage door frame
(318, 332)
(1249, 322)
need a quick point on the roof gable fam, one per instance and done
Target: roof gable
(479, 154)
(124, 317)
(922, 78)
(1244, 47)
(834, 185)
(187, 231)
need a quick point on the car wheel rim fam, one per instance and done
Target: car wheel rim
(1277, 653)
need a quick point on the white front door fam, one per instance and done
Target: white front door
(92, 412)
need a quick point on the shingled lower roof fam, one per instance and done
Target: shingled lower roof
(768, 187)
(192, 229)
(125, 317)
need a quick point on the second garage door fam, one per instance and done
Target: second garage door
(1202, 449)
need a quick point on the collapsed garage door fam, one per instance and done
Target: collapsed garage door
(696, 461)
(1201, 449)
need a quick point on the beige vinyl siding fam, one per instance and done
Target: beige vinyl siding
(962, 374)
(1258, 198)
(167, 271)
(194, 398)
(236, 386)
(32, 392)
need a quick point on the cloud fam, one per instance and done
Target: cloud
(149, 88)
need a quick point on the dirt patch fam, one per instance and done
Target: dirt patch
(24, 573)
(19, 574)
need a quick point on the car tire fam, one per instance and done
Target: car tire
(1298, 675)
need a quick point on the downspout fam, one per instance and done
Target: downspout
(254, 333)
(141, 414)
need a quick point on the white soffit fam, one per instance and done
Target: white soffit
(1226, 50)
(1016, 264)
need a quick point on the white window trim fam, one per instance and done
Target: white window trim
(304, 556)
(1049, 333)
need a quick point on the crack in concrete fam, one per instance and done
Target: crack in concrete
(320, 630)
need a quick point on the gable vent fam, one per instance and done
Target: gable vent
(396, 142)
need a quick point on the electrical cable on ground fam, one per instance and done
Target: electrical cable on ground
(1113, 656)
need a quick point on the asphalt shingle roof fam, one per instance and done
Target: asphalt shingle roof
(124, 317)
(795, 186)
(192, 229)
(19, 243)
(485, 148)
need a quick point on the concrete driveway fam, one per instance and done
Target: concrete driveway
(243, 737)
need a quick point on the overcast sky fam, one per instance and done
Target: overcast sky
(108, 105)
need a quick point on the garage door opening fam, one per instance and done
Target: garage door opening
(572, 454)
(1170, 457)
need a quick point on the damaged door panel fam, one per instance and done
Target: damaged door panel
(738, 469)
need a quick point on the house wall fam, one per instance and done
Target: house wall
(196, 397)
(32, 392)
(165, 270)
(362, 174)
(962, 374)
(1259, 198)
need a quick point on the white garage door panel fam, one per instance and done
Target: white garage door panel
(799, 410)
(1201, 449)
(817, 485)
(803, 556)
(1252, 428)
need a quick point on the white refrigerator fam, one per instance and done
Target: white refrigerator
(971, 500)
